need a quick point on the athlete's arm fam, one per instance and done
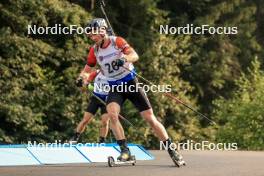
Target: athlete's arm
(87, 78)
(86, 70)
(92, 75)
(130, 54)
(91, 62)
(85, 73)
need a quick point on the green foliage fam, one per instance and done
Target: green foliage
(241, 117)
(38, 98)
(217, 60)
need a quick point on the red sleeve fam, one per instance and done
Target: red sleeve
(123, 45)
(92, 76)
(91, 59)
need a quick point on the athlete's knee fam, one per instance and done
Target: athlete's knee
(149, 116)
(152, 122)
(112, 111)
(113, 117)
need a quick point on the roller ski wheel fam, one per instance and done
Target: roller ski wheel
(133, 158)
(179, 163)
(112, 162)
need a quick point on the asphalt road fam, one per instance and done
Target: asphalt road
(199, 163)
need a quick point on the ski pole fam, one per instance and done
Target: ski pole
(170, 95)
(102, 5)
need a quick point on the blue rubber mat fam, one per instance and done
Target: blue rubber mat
(13, 155)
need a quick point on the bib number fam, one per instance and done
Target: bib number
(112, 67)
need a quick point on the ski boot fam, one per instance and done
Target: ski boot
(174, 154)
(176, 158)
(125, 155)
(75, 139)
(101, 140)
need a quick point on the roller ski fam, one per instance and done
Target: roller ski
(176, 158)
(124, 159)
(174, 154)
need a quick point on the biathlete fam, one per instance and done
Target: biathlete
(115, 58)
(94, 105)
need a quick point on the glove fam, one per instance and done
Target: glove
(79, 82)
(121, 61)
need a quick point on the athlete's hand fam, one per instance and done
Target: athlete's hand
(79, 82)
(121, 61)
